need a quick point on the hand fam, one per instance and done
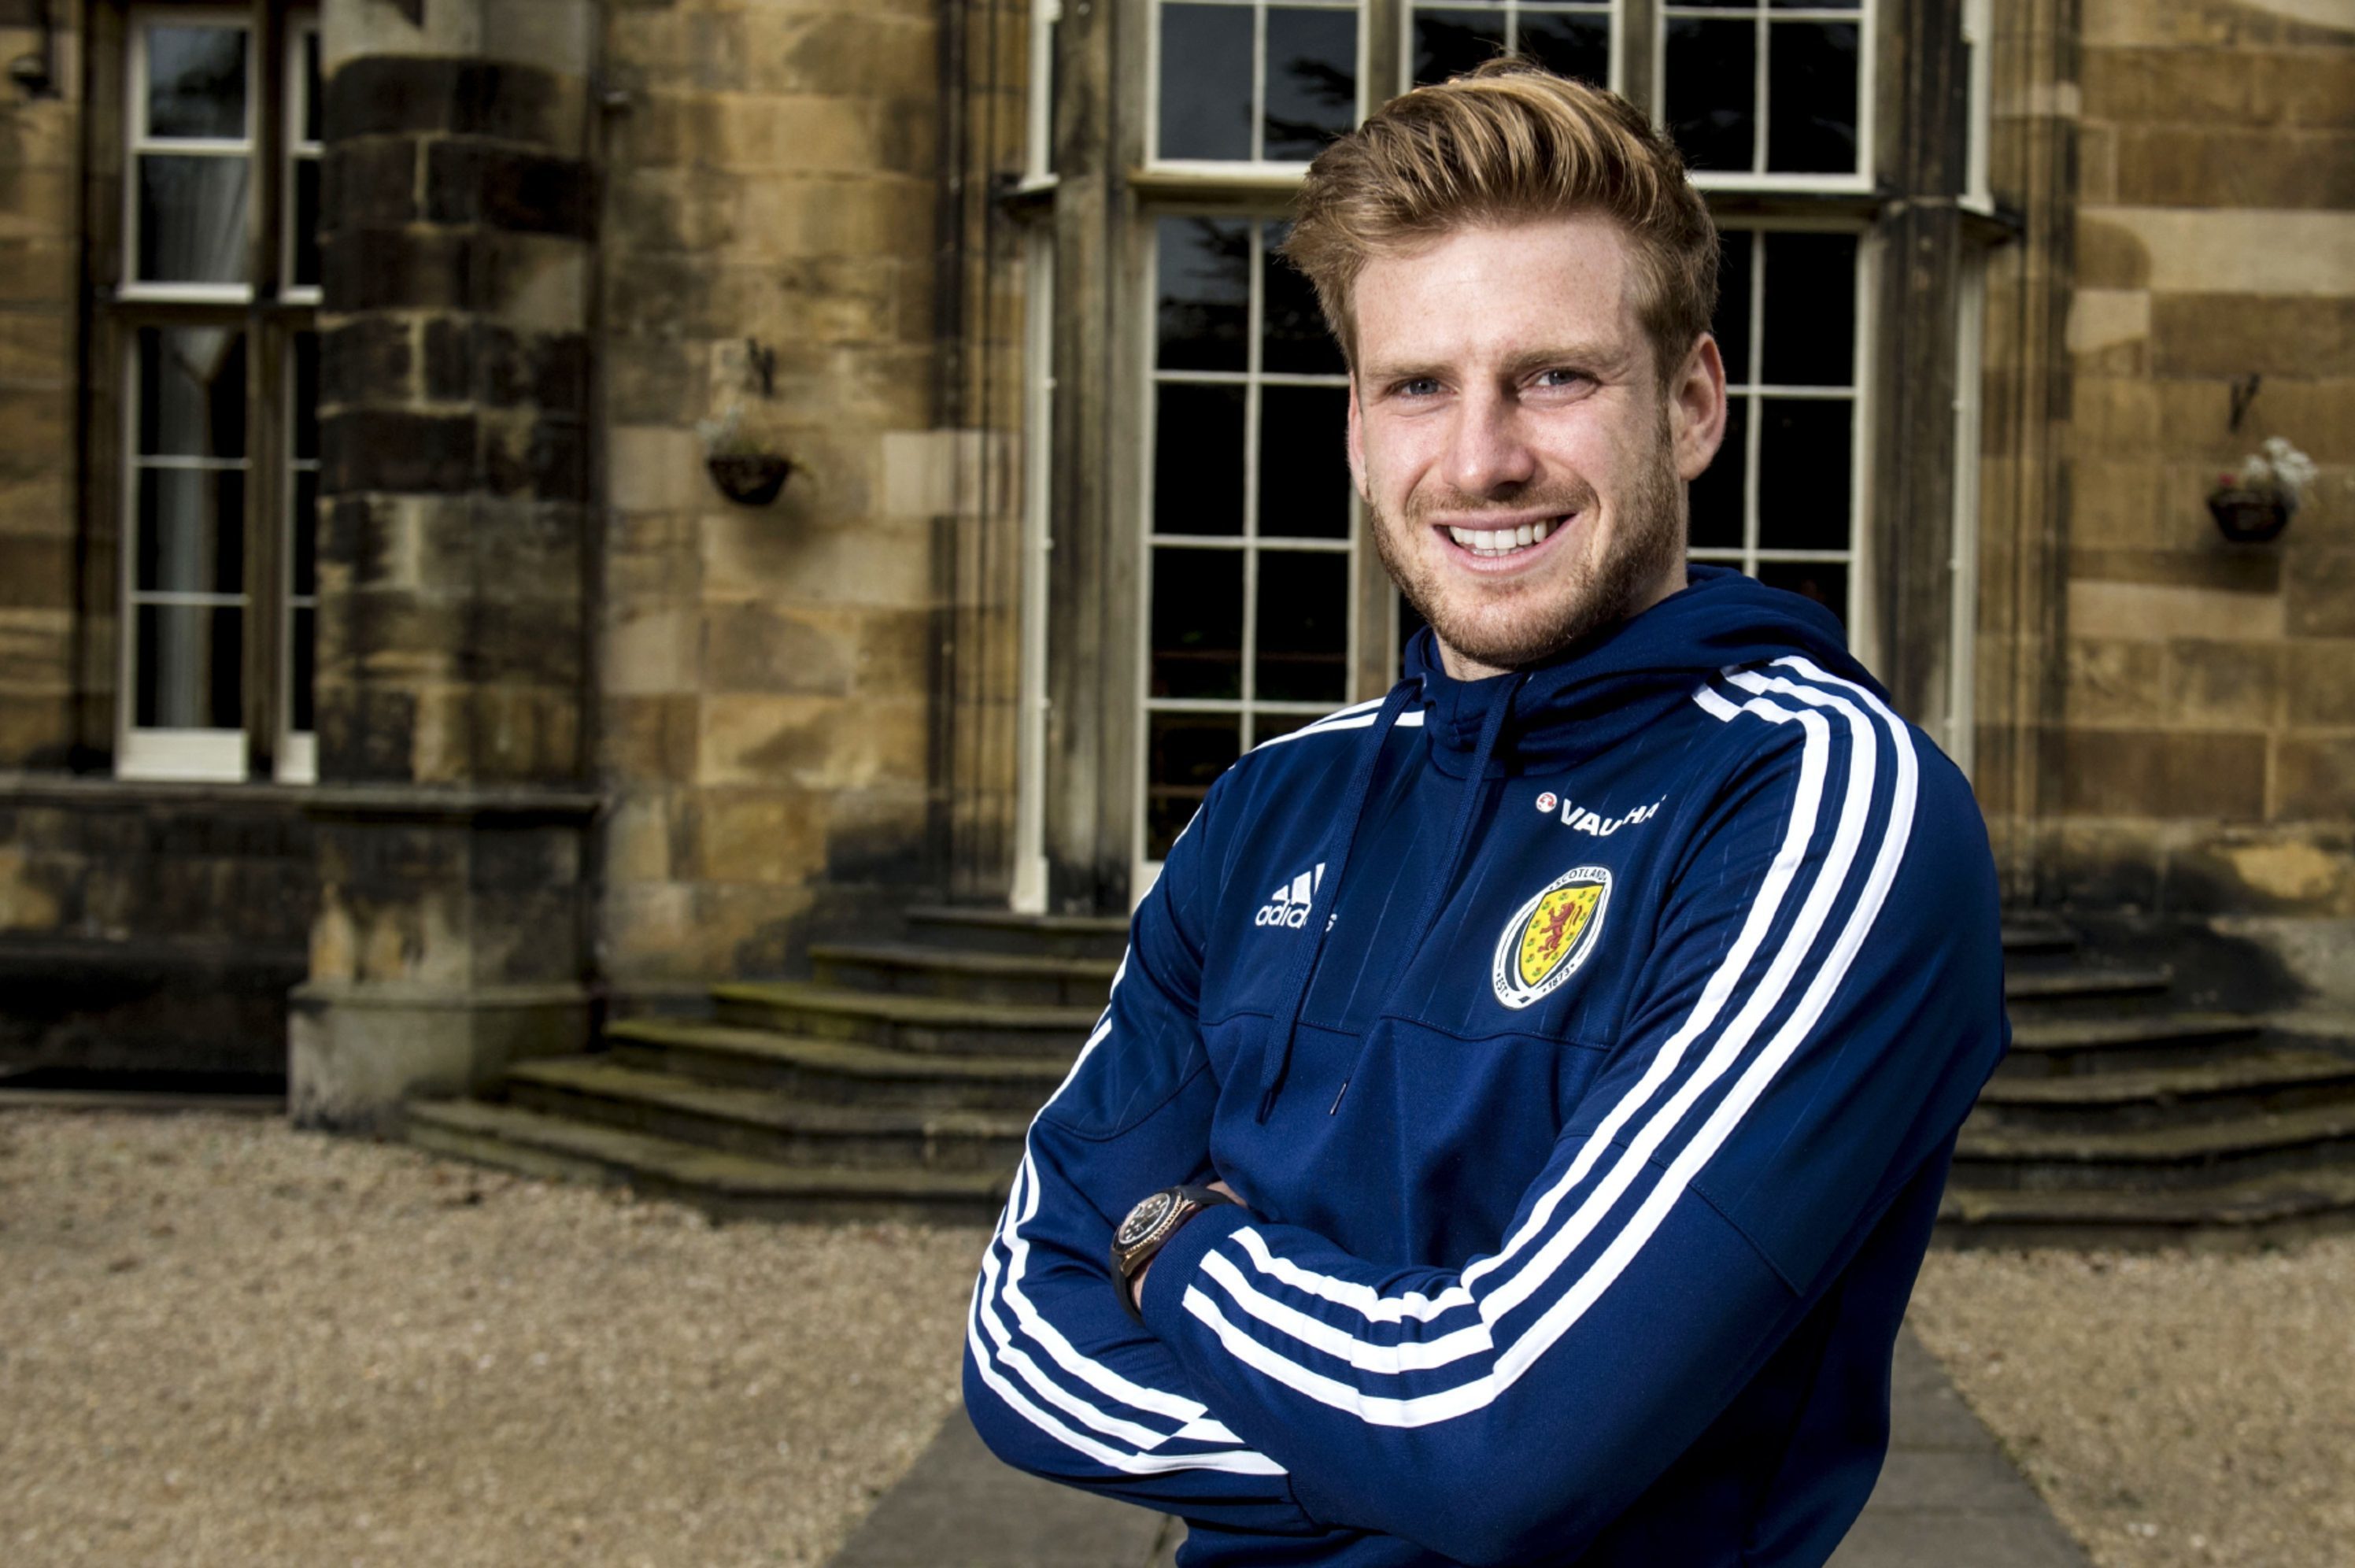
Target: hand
(1136, 1285)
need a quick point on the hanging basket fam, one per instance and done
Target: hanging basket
(2249, 516)
(750, 479)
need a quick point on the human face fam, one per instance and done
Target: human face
(1504, 385)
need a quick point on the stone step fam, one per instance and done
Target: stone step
(1003, 930)
(2209, 1153)
(2259, 1212)
(2028, 933)
(930, 1026)
(2166, 1096)
(2042, 1047)
(969, 975)
(766, 1123)
(2036, 988)
(830, 1072)
(725, 1185)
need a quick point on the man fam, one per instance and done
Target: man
(1523, 1106)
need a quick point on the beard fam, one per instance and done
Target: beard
(1526, 624)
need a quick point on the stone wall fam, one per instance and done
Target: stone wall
(2205, 761)
(40, 255)
(766, 671)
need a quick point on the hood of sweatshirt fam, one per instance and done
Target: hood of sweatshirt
(1607, 688)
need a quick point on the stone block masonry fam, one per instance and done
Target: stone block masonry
(2204, 731)
(451, 932)
(767, 245)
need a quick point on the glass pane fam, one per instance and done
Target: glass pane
(191, 391)
(308, 121)
(1198, 623)
(1203, 279)
(191, 530)
(1198, 458)
(1732, 321)
(1304, 462)
(1312, 81)
(1712, 90)
(302, 668)
(1569, 45)
(1448, 43)
(192, 218)
(305, 222)
(1810, 310)
(1409, 622)
(305, 395)
(1303, 651)
(1185, 754)
(1266, 727)
(1825, 582)
(1293, 337)
(188, 659)
(302, 523)
(195, 82)
(1811, 97)
(1206, 81)
(1803, 474)
(1717, 494)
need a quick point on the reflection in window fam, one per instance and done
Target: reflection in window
(302, 149)
(186, 592)
(191, 154)
(1757, 90)
(1250, 549)
(1252, 81)
(1779, 501)
(1573, 40)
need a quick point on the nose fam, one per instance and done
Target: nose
(1489, 454)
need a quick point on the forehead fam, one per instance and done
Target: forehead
(1493, 290)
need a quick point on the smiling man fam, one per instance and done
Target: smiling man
(1538, 1173)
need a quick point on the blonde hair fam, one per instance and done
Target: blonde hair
(1508, 142)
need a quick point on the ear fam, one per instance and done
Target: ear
(1358, 446)
(1697, 407)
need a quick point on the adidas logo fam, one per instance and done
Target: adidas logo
(1288, 905)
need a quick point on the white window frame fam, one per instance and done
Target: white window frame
(297, 751)
(1221, 168)
(1856, 615)
(1246, 708)
(1615, 10)
(1764, 14)
(137, 142)
(167, 752)
(300, 29)
(1978, 46)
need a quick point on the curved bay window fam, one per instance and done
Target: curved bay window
(219, 268)
(1254, 607)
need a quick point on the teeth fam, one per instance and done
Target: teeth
(1500, 541)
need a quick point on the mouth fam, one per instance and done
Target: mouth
(1504, 541)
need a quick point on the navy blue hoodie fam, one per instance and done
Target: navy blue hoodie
(1587, 1044)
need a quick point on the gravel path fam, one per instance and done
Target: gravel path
(225, 1342)
(2177, 1410)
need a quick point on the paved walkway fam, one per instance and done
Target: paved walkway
(1947, 1499)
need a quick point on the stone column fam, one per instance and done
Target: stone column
(454, 576)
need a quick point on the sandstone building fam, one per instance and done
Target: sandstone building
(385, 668)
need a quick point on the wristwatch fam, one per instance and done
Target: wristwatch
(1148, 1227)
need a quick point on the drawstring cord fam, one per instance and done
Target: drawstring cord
(1279, 1060)
(1353, 807)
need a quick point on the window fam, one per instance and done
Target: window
(1250, 515)
(219, 513)
(1252, 81)
(1782, 500)
(1448, 38)
(1767, 93)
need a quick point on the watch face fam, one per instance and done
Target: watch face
(1144, 1217)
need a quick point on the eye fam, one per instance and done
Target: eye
(1416, 387)
(1561, 377)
